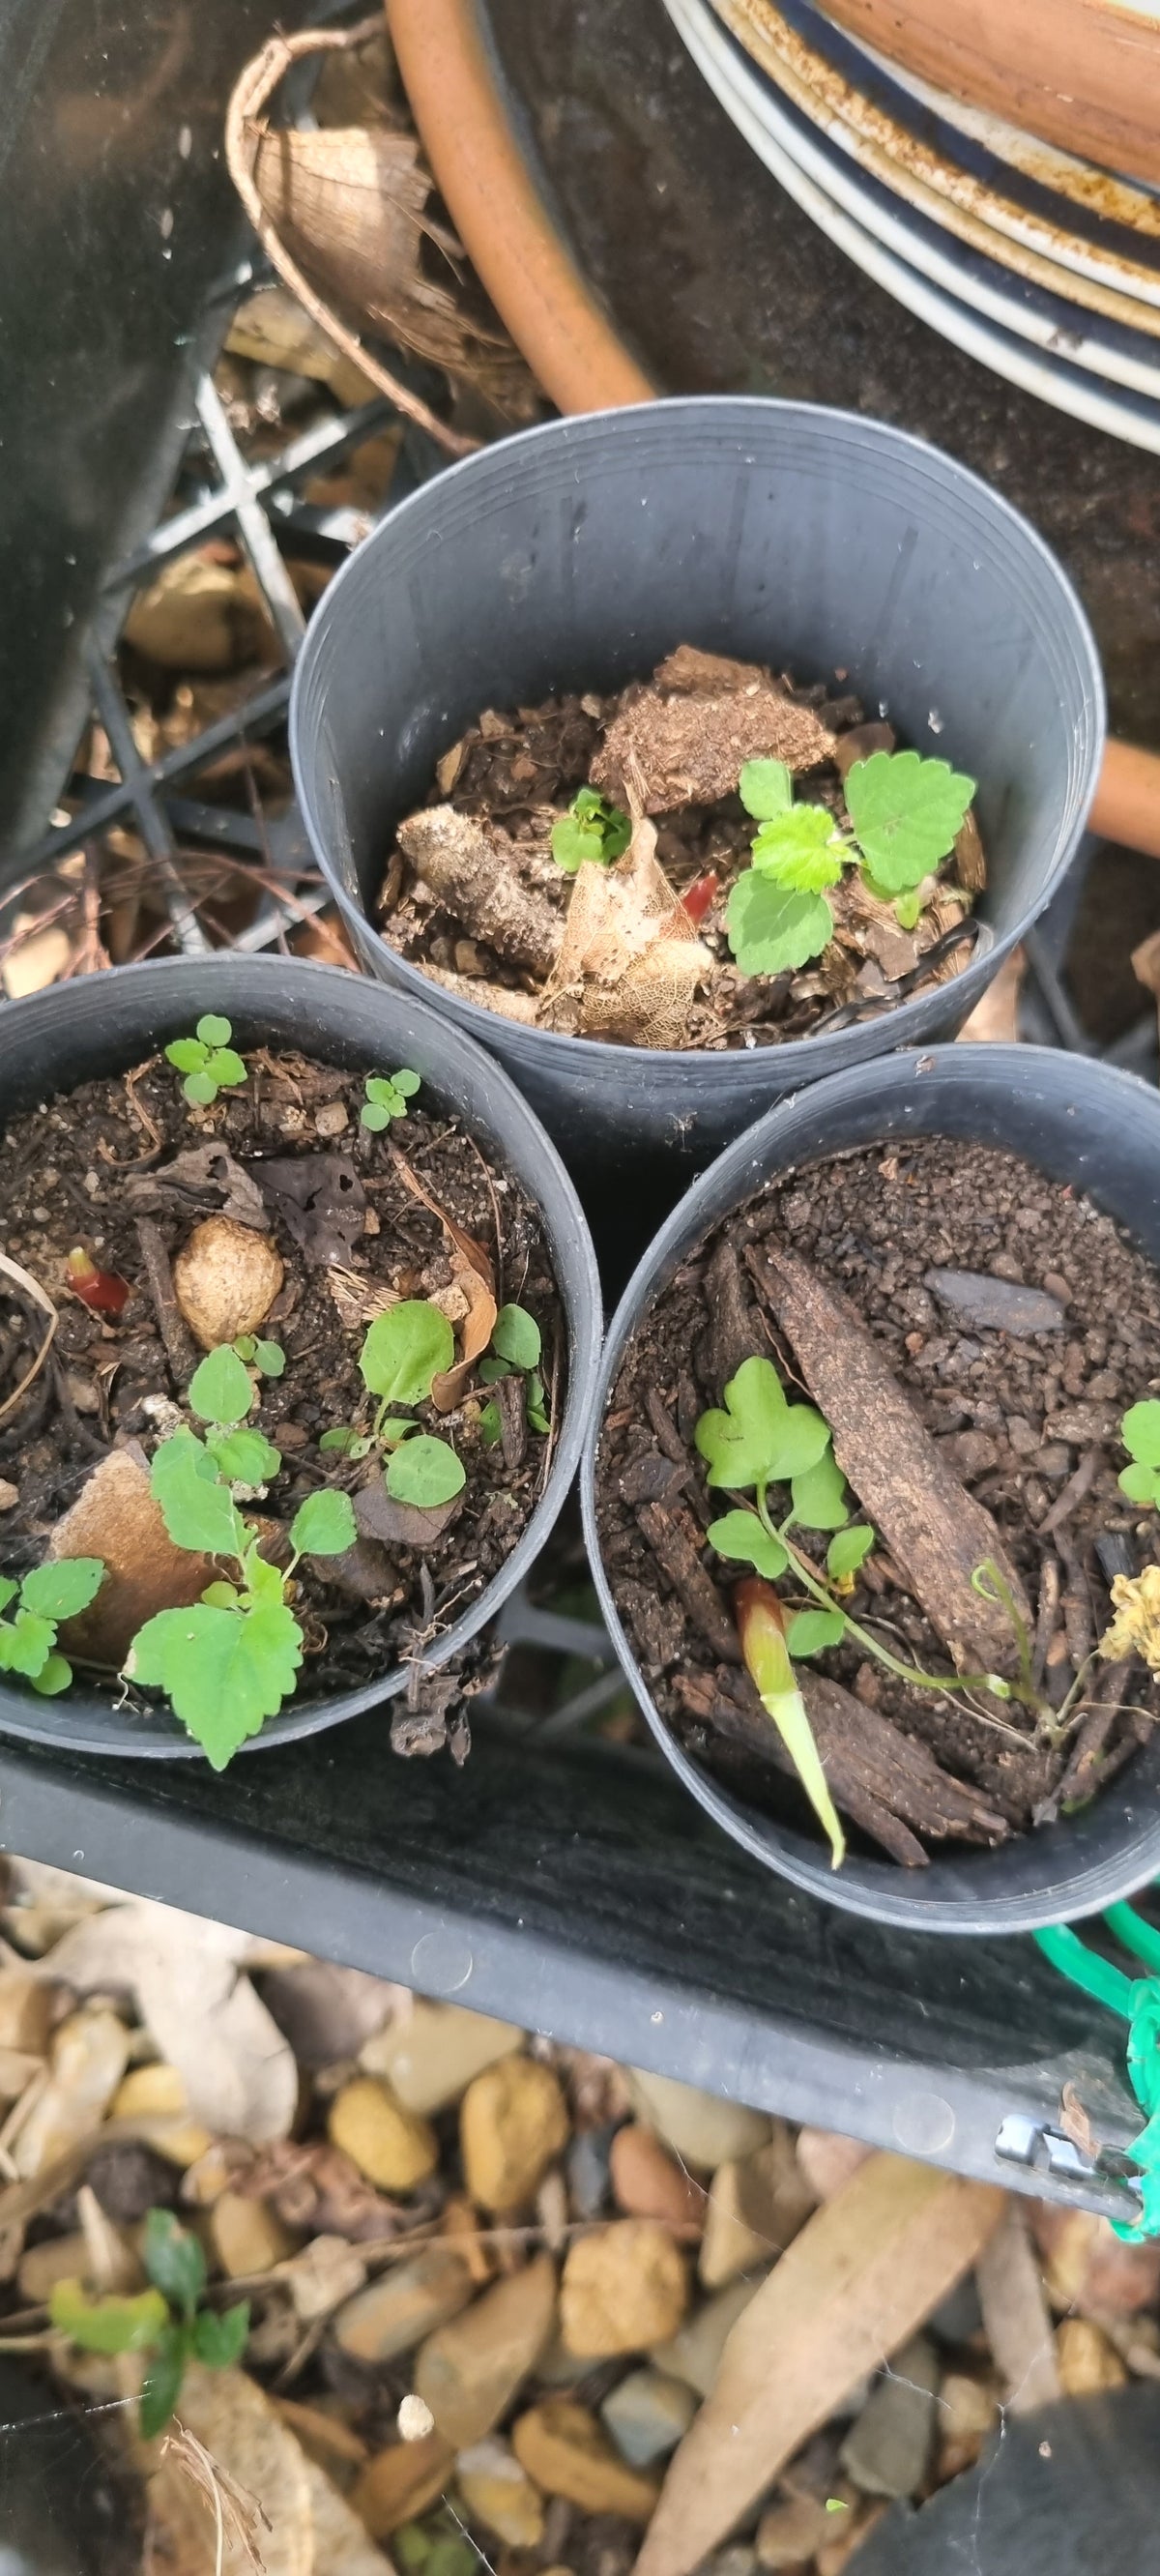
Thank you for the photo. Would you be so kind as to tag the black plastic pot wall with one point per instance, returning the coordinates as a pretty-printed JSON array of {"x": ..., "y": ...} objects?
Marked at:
[
  {"x": 575, "y": 556},
  {"x": 107, "y": 1023},
  {"x": 1083, "y": 1123}
]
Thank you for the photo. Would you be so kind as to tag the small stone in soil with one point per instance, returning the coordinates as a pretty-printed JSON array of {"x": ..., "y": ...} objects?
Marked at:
[
  {"x": 469, "y": 2371},
  {"x": 756, "y": 2206},
  {"x": 624, "y": 2287},
  {"x": 888, "y": 2449},
  {"x": 500, "y": 2494},
  {"x": 587, "y": 2170},
  {"x": 648, "y": 2415},
  {"x": 565, "y": 2451},
  {"x": 388, "y": 2144},
  {"x": 513, "y": 2123},
  {"x": 994, "y": 1304},
  {"x": 404, "y": 2305},
  {"x": 701, "y": 2129},
  {"x": 9, "y": 1495},
  {"x": 694, "y": 2354},
  {"x": 432, "y": 2055},
  {"x": 647, "y": 2182}
]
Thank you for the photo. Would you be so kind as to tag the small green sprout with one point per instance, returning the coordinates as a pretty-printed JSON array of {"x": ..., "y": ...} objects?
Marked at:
[
  {"x": 590, "y": 830},
  {"x": 46, "y": 1596},
  {"x": 268, "y": 1358},
  {"x": 207, "y": 1060},
  {"x": 516, "y": 1349},
  {"x": 387, "y": 1097},
  {"x": 405, "y": 1350},
  {"x": 228, "y": 1661},
  {"x": 165, "y": 2322},
  {"x": 1140, "y": 1434},
  {"x": 905, "y": 812}
]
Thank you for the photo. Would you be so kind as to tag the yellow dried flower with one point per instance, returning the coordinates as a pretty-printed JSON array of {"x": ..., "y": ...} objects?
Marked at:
[{"x": 1135, "y": 1630}]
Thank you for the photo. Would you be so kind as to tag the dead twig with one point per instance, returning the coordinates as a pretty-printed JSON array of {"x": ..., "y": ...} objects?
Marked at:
[
  {"x": 15, "y": 1271},
  {"x": 179, "y": 1348}
]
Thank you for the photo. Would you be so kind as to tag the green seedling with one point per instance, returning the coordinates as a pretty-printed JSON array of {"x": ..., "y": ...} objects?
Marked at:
[
  {"x": 766, "y": 1648},
  {"x": 207, "y": 1060},
  {"x": 228, "y": 1662},
  {"x": 1140, "y": 1434},
  {"x": 268, "y": 1358},
  {"x": 905, "y": 812},
  {"x": 590, "y": 830},
  {"x": 404, "y": 1351},
  {"x": 165, "y": 2322},
  {"x": 387, "y": 1097},
  {"x": 46, "y": 1596},
  {"x": 515, "y": 1349}
]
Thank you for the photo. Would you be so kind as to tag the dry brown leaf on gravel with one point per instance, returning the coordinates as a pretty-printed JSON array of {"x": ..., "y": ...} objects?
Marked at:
[
  {"x": 864, "y": 2274},
  {"x": 630, "y": 960},
  {"x": 261, "y": 2465},
  {"x": 1016, "y": 2315}
]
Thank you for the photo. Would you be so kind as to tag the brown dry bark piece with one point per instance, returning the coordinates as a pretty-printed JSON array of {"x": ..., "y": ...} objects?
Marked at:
[
  {"x": 698, "y": 674},
  {"x": 733, "y": 1333},
  {"x": 675, "y": 1540},
  {"x": 488, "y": 882},
  {"x": 970, "y": 856},
  {"x": 936, "y": 1531},
  {"x": 860, "y": 742},
  {"x": 691, "y": 750},
  {"x": 510, "y": 1004}
]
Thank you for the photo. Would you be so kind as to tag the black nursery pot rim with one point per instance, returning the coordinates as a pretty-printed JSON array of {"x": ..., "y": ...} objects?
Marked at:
[
  {"x": 587, "y": 1057},
  {"x": 1056, "y": 1873},
  {"x": 163, "y": 999}
]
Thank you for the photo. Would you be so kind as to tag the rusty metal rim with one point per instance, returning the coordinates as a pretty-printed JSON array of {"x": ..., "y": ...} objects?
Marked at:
[{"x": 951, "y": 198}]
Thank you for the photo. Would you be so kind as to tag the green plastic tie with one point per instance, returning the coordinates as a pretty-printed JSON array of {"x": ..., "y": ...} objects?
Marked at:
[{"x": 1137, "y": 2000}]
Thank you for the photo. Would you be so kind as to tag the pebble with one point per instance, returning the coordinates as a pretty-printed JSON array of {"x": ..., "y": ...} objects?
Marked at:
[
  {"x": 967, "y": 2411},
  {"x": 756, "y": 2206},
  {"x": 970, "y": 1453},
  {"x": 648, "y": 2183},
  {"x": 624, "y": 2287},
  {"x": 332, "y": 1118},
  {"x": 791, "y": 2532},
  {"x": 587, "y": 2167},
  {"x": 1022, "y": 1435},
  {"x": 694, "y": 2354},
  {"x": 700, "y": 2128},
  {"x": 469, "y": 2371},
  {"x": 401, "y": 2482},
  {"x": 1086, "y": 2265},
  {"x": 60, "y": 2258},
  {"x": 564, "y": 2451},
  {"x": 827, "y": 2161},
  {"x": 88, "y": 2062},
  {"x": 739, "y": 2559},
  {"x": 500, "y": 2493},
  {"x": 415, "y": 2420},
  {"x": 647, "y": 2415},
  {"x": 513, "y": 2123},
  {"x": 431, "y": 2057},
  {"x": 1080, "y": 1424},
  {"x": 994, "y": 1304},
  {"x": 404, "y": 2305},
  {"x": 247, "y": 2236},
  {"x": 9, "y": 1495},
  {"x": 1057, "y": 1286},
  {"x": 1087, "y": 2360},
  {"x": 393, "y": 2148},
  {"x": 959, "y": 2315},
  {"x": 887, "y": 2451}
]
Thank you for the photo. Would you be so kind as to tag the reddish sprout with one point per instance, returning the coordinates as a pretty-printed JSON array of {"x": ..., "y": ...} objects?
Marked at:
[
  {"x": 100, "y": 1289},
  {"x": 698, "y": 897}
]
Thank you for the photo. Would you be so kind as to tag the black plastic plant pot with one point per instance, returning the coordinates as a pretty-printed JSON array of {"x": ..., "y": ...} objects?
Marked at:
[
  {"x": 106, "y": 1024},
  {"x": 575, "y": 556},
  {"x": 1081, "y": 1123}
]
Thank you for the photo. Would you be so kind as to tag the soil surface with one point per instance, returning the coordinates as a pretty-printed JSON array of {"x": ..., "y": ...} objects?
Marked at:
[
  {"x": 94, "y": 1168},
  {"x": 1026, "y": 1421},
  {"x": 515, "y": 773}
]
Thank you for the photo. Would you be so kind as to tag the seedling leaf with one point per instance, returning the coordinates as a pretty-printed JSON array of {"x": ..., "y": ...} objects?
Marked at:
[
  {"x": 324, "y": 1525},
  {"x": 200, "y": 1088},
  {"x": 425, "y": 1472},
  {"x": 590, "y": 830},
  {"x": 187, "y": 1055},
  {"x": 759, "y": 1439},
  {"x": 107, "y": 2325},
  {"x": 198, "y": 1511},
  {"x": 161, "y": 2385},
  {"x": 244, "y": 1457},
  {"x": 61, "y": 1590},
  {"x": 219, "y": 2341},
  {"x": 820, "y": 1499},
  {"x": 270, "y": 1358},
  {"x": 772, "y": 930},
  {"x": 906, "y": 812},
  {"x": 800, "y": 850},
  {"x": 848, "y": 1551},
  {"x": 765, "y": 788},
  {"x": 222, "y": 1672},
  {"x": 740, "y": 1537},
  {"x": 26, "y": 1643},
  {"x": 517, "y": 1337},
  {"x": 213, "y": 1031},
  {"x": 174, "y": 2260},
  {"x": 404, "y": 1349},
  {"x": 1141, "y": 1484},
  {"x": 490, "y": 1426},
  {"x": 809, "y": 1632},
  {"x": 1139, "y": 1430},
  {"x": 220, "y": 1388},
  {"x": 54, "y": 1676}
]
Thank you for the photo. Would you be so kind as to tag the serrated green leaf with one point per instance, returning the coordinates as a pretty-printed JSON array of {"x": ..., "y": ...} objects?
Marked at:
[
  {"x": 107, "y": 2325},
  {"x": 773, "y": 931},
  {"x": 819, "y": 1496},
  {"x": 740, "y": 1537},
  {"x": 1139, "y": 1431},
  {"x": 173, "y": 2259},
  {"x": 906, "y": 812},
  {"x": 590, "y": 830},
  {"x": 809, "y": 1632},
  {"x": 213, "y": 1030},
  {"x": 187, "y": 1055},
  {"x": 324, "y": 1525},
  {"x": 8, "y": 1590},
  {"x": 801, "y": 850},
  {"x": 264, "y": 1582},
  {"x": 270, "y": 1359},
  {"x": 26, "y": 1643},
  {"x": 63, "y": 1588},
  {"x": 765, "y": 788},
  {"x": 54, "y": 1676},
  {"x": 759, "y": 1438},
  {"x": 220, "y": 1388},
  {"x": 490, "y": 1425},
  {"x": 1141, "y": 1484},
  {"x": 404, "y": 1349},
  {"x": 223, "y": 1673},
  {"x": 225, "y": 1068},
  {"x": 424, "y": 1472},
  {"x": 161, "y": 2385},
  {"x": 517, "y": 1337},
  {"x": 220, "y": 2341},
  {"x": 200, "y": 1088},
  {"x": 406, "y": 1081},
  {"x": 849, "y": 1550},
  {"x": 244, "y": 1456},
  {"x": 197, "y": 1509}
]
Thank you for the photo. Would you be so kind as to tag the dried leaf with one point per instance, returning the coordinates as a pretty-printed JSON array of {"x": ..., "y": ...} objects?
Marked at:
[
  {"x": 317, "y": 2188},
  {"x": 863, "y": 2275},
  {"x": 1016, "y": 2315},
  {"x": 326, "y": 2272},
  {"x": 260, "y": 2469},
  {"x": 320, "y": 1200},
  {"x": 473, "y": 1252},
  {"x": 447, "y": 1389},
  {"x": 394, "y": 1524},
  {"x": 212, "y": 1178},
  {"x": 630, "y": 960},
  {"x": 328, "y": 2012},
  {"x": 23, "y": 1279}
]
